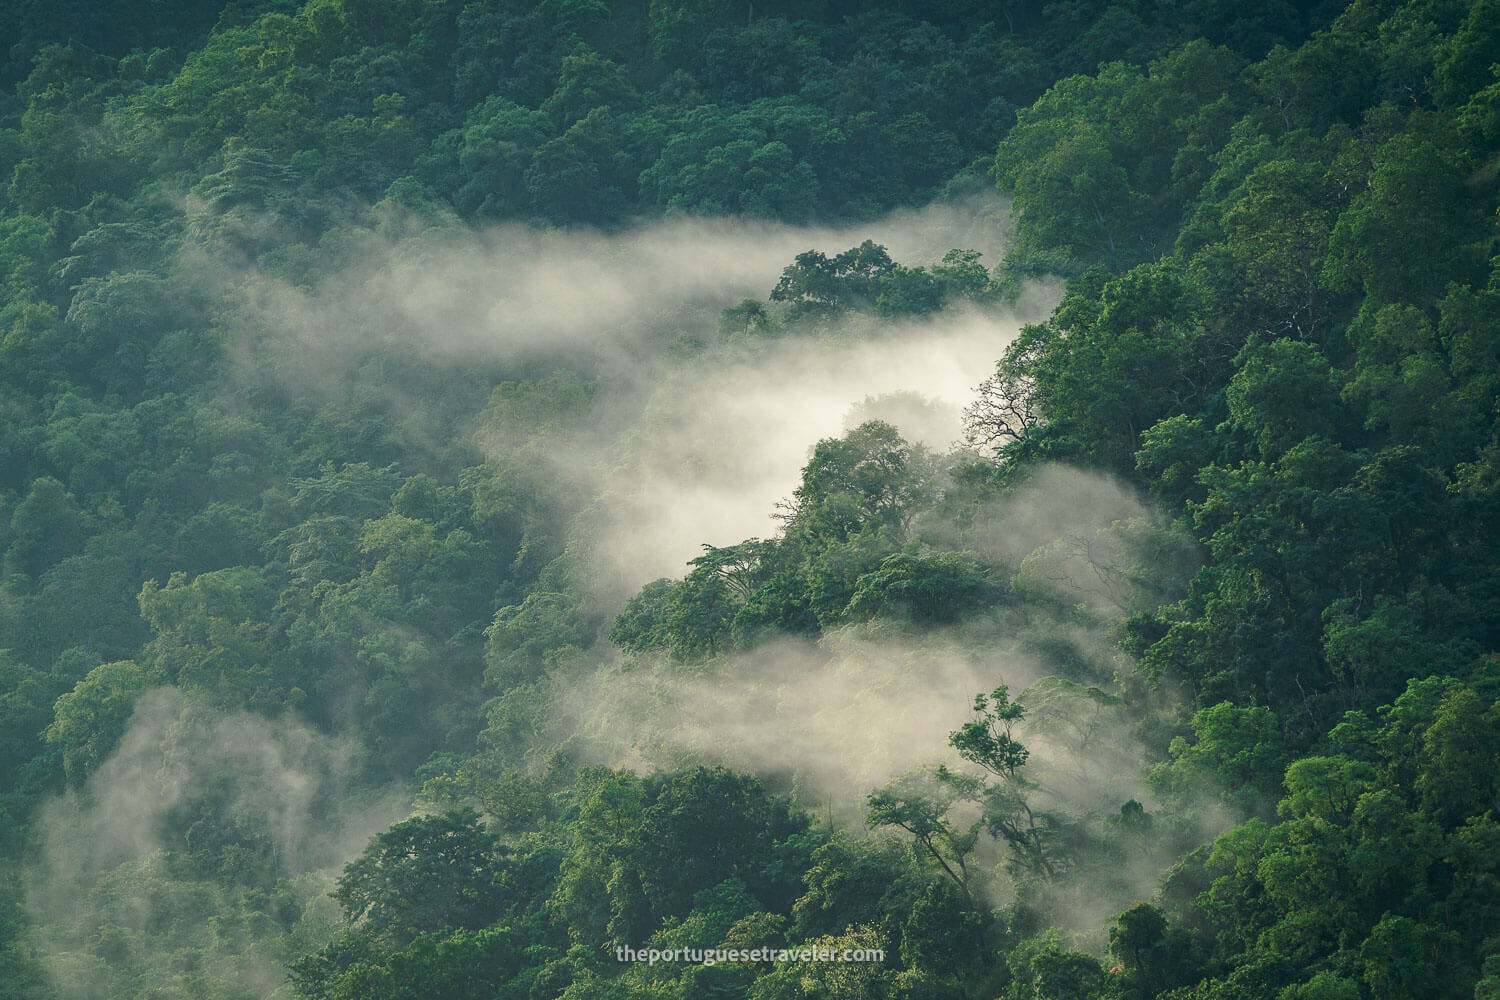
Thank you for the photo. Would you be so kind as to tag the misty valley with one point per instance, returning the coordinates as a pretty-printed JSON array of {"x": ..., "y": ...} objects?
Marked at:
[{"x": 610, "y": 499}]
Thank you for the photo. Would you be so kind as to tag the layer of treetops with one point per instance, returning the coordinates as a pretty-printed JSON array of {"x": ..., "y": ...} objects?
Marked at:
[{"x": 1279, "y": 342}]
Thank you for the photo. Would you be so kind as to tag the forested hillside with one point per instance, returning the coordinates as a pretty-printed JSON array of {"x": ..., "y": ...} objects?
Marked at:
[{"x": 1010, "y": 487}]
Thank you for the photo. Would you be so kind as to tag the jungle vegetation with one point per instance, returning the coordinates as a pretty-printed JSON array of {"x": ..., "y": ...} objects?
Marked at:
[{"x": 1280, "y": 338}]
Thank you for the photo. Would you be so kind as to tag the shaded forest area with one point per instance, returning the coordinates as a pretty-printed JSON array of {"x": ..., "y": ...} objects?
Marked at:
[{"x": 1221, "y": 548}]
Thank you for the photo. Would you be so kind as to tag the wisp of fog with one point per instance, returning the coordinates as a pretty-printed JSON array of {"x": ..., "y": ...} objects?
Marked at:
[{"x": 688, "y": 439}]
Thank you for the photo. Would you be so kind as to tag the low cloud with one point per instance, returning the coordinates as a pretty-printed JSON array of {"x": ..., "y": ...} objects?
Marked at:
[
  {"x": 688, "y": 440},
  {"x": 110, "y": 902},
  {"x": 865, "y": 703},
  {"x": 723, "y": 439},
  {"x": 517, "y": 293}
]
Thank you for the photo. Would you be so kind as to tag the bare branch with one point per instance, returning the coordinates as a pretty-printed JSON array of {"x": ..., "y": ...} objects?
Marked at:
[{"x": 1004, "y": 410}]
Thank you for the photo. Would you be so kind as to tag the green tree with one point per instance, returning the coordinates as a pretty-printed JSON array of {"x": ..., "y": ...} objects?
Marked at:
[
  {"x": 90, "y": 719},
  {"x": 867, "y": 480},
  {"x": 493, "y": 152},
  {"x": 1060, "y": 975},
  {"x": 46, "y": 526},
  {"x": 915, "y": 804},
  {"x": 816, "y": 286},
  {"x": 1282, "y": 393},
  {"x": 989, "y": 742},
  {"x": 929, "y": 589},
  {"x": 213, "y": 636},
  {"x": 1239, "y": 750},
  {"x": 424, "y": 874}
]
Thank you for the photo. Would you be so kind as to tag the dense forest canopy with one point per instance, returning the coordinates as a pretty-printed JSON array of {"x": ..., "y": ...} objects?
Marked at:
[{"x": 1010, "y": 487}]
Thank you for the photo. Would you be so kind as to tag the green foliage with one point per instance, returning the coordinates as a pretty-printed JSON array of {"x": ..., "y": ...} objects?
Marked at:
[
  {"x": 748, "y": 318},
  {"x": 1153, "y": 956},
  {"x": 90, "y": 719},
  {"x": 817, "y": 287},
  {"x": 1103, "y": 371},
  {"x": 915, "y": 805},
  {"x": 1060, "y": 975},
  {"x": 1281, "y": 395},
  {"x": 937, "y": 588},
  {"x": 212, "y": 636},
  {"x": 988, "y": 740},
  {"x": 1278, "y": 225},
  {"x": 1235, "y": 755},
  {"x": 27, "y": 710},
  {"x": 423, "y": 875},
  {"x": 836, "y": 560},
  {"x": 45, "y": 526},
  {"x": 543, "y": 631},
  {"x": 862, "y": 482},
  {"x": 1354, "y": 874},
  {"x": 1087, "y": 166}
]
